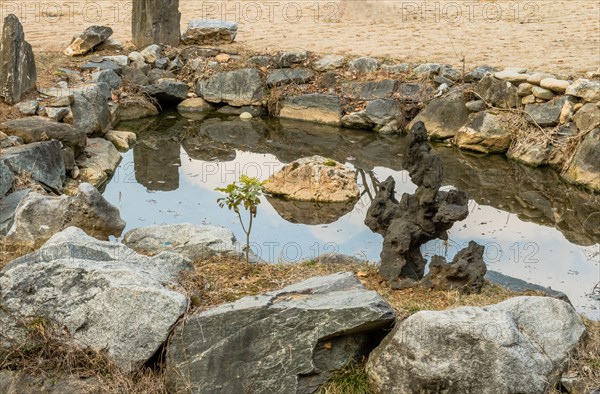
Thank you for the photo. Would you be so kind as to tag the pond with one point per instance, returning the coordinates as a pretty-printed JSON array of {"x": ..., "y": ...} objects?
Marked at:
[{"x": 535, "y": 226}]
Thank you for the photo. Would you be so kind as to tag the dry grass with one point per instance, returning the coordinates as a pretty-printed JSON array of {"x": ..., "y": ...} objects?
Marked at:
[{"x": 50, "y": 353}]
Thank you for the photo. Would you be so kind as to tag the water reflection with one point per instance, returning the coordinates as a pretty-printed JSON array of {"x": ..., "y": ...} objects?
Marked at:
[{"x": 534, "y": 226}]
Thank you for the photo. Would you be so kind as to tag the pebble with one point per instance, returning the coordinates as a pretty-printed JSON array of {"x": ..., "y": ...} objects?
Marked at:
[
  {"x": 512, "y": 76},
  {"x": 542, "y": 93},
  {"x": 528, "y": 99},
  {"x": 556, "y": 85},
  {"x": 536, "y": 78},
  {"x": 136, "y": 57},
  {"x": 524, "y": 89},
  {"x": 476, "y": 105},
  {"x": 222, "y": 58},
  {"x": 245, "y": 115}
]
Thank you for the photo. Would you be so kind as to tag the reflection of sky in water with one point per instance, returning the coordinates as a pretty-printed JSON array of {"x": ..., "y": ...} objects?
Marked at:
[{"x": 514, "y": 247}]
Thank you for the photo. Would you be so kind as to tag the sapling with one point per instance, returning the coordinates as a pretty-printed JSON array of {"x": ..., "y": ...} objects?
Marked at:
[{"x": 246, "y": 192}]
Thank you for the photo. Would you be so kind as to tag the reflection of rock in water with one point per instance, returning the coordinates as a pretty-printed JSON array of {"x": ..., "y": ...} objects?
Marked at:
[
  {"x": 157, "y": 162},
  {"x": 217, "y": 138},
  {"x": 536, "y": 195},
  {"x": 308, "y": 212}
]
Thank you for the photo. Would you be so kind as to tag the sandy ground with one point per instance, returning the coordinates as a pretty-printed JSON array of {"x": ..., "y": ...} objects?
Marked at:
[{"x": 561, "y": 36}]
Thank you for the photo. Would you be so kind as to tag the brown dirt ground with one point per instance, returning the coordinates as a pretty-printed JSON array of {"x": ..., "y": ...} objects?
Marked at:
[{"x": 560, "y": 36}]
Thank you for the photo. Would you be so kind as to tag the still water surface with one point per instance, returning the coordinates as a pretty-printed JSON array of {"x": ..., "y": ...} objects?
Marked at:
[{"x": 535, "y": 226}]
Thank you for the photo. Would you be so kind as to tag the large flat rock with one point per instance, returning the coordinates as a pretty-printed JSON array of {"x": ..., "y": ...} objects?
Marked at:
[
  {"x": 285, "y": 341},
  {"x": 37, "y": 128}
]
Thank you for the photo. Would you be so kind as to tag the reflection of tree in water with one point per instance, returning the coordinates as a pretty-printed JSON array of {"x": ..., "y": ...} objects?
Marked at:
[{"x": 369, "y": 190}]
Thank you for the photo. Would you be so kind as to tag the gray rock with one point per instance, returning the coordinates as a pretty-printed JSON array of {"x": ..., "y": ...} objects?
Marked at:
[
  {"x": 133, "y": 76},
  {"x": 299, "y": 335},
  {"x": 364, "y": 65},
  {"x": 36, "y": 129},
  {"x": 586, "y": 89},
  {"x": 11, "y": 140},
  {"x": 90, "y": 109},
  {"x": 396, "y": 68},
  {"x": 537, "y": 77},
  {"x": 17, "y": 64},
  {"x": 520, "y": 286},
  {"x": 443, "y": 83},
  {"x": 142, "y": 66},
  {"x": 532, "y": 151},
  {"x": 38, "y": 217},
  {"x": 450, "y": 73},
  {"x": 545, "y": 114},
  {"x": 161, "y": 63},
  {"x": 151, "y": 53},
  {"x": 514, "y": 76},
  {"x": 329, "y": 62},
  {"x": 209, "y": 32},
  {"x": 42, "y": 161},
  {"x": 194, "y": 242},
  {"x": 476, "y": 105},
  {"x": 6, "y": 179},
  {"x": 585, "y": 166},
  {"x": 370, "y": 90},
  {"x": 119, "y": 60},
  {"x": 196, "y": 105},
  {"x": 136, "y": 107},
  {"x": 479, "y": 349},
  {"x": 428, "y": 69},
  {"x": 443, "y": 116},
  {"x": 107, "y": 76},
  {"x": 464, "y": 273},
  {"x": 8, "y": 206},
  {"x": 167, "y": 90},
  {"x": 283, "y": 76},
  {"x": 254, "y": 111},
  {"x": 382, "y": 111},
  {"x": 99, "y": 161},
  {"x": 357, "y": 120},
  {"x": 587, "y": 117},
  {"x": 155, "y": 22},
  {"x": 62, "y": 101},
  {"x": 542, "y": 93},
  {"x": 498, "y": 93},
  {"x": 314, "y": 107},
  {"x": 57, "y": 114},
  {"x": 414, "y": 92},
  {"x": 156, "y": 73},
  {"x": 484, "y": 132},
  {"x": 88, "y": 39},
  {"x": 27, "y": 107},
  {"x": 478, "y": 73},
  {"x": 556, "y": 85},
  {"x": 107, "y": 296},
  {"x": 525, "y": 89},
  {"x": 136, "y": 57},
  {"x": 102, "y": 65},
  {"x": 260, "y": 61},
  {"x": 237, "y": 88},
  {"x": 287, "y": 59}
]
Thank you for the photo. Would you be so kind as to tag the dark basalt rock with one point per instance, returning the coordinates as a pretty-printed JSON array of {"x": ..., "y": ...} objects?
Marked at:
[
  {"x": 465, "y": 272},
  {"x": 17, "y": 64},
  {"x": 417, "y": 218}
]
